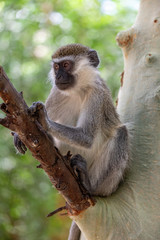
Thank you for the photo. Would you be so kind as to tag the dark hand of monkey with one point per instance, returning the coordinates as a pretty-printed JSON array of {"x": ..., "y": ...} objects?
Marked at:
[
  {"x": 19, "y": 145},
  {"x": 79, "y": 165},
  {"x": 38, "y": 111}
]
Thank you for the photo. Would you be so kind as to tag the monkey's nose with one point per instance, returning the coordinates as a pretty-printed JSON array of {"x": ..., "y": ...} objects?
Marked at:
[{"x": 59, "y": 76}]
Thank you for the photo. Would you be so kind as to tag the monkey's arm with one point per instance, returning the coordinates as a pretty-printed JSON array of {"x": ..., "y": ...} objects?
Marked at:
[{"x": 81, "y": 135}]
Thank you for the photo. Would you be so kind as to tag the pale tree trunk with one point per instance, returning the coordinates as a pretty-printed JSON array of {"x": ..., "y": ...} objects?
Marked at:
[{"x": 133, "y": 212}]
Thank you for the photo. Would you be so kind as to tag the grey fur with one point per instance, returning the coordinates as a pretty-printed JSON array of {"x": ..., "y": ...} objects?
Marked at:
[{"x": 84, "y": 120}]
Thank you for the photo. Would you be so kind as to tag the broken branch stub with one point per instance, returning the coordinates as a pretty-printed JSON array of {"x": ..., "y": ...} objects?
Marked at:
[{"x": 40, "y": 143}]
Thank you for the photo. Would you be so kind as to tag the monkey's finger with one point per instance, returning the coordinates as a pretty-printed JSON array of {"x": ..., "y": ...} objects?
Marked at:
[
  {"x": 23, "y": 146},
  {"x": 40, "y": 105},
  {"x": 79, "y": 162},
  {"x": 19, "y": 144},
  {"x": 19, "y": 148}
]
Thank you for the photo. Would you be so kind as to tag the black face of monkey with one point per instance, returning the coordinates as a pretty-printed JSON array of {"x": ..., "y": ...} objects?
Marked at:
[{"x": 63, "y": 72}]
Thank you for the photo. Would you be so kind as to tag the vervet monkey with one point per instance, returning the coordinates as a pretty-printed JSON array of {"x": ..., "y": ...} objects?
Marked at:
[{"x": 81, "y": 117}]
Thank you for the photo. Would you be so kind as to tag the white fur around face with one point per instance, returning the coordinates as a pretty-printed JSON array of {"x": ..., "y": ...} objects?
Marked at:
[
  {"x": 84, "y": 73},
  {"x": 51, "y": 76}
]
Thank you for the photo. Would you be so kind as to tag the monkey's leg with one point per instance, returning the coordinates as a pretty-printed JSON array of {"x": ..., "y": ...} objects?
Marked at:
[
  {"x": 74, "y": 233},
  {"x": 117, "y": 159},
  {"x": 79, "y": 165}
]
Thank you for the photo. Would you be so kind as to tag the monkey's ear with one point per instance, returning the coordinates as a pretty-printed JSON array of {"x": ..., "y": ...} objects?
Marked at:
[{"x": 93, "y": 58}]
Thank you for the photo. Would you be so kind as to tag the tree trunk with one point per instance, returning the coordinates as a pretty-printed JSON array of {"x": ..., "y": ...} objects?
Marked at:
[{"x": 133, "y": 212}]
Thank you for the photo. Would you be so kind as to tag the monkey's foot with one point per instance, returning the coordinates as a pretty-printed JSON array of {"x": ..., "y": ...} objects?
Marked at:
[
  {"x": 19, "y": 145},
  {"x": 79, "y": 165}
]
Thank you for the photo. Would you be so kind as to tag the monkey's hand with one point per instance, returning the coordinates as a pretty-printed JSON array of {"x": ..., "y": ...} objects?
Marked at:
[
  {"x": 79, "y": 165},
  {"x": 38, "y": 111},
  {"x": 19, "y": 145}
]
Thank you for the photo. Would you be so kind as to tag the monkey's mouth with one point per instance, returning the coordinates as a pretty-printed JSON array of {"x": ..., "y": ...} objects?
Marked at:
[{"x": 63, "y": 85}]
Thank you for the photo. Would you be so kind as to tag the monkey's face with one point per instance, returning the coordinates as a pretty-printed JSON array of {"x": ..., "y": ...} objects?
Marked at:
[{"x": 63, "y": 74}]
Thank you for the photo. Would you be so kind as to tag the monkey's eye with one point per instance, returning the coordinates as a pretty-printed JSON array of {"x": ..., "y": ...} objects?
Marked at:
[
  {"x": 67, "y": 65},
  {"x": 56, "y": 66}
]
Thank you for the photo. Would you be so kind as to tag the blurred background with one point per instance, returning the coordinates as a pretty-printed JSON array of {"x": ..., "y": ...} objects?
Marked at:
[{"x": 29, "y": 32}]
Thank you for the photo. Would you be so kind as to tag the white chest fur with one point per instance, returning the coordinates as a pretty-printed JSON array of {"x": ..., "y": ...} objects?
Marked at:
[{"x": 71, "y": 112}]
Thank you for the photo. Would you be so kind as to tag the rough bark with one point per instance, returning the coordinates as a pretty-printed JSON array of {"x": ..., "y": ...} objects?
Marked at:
[
  {"x": 19, "y": 120},
  {"x": 133, "y": 212}
]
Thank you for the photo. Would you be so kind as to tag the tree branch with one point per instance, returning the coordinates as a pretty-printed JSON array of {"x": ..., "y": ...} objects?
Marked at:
[{"x": 37, "y": 140}]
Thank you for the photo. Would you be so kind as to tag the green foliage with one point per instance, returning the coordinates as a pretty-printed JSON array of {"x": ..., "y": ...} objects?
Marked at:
[{"x": 29, "y": 32}]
